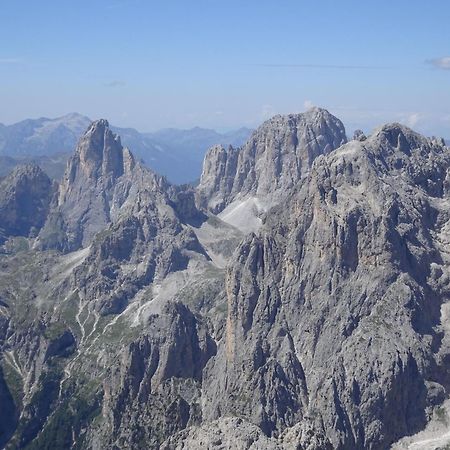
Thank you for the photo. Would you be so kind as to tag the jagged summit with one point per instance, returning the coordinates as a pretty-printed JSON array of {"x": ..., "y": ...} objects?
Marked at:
[
  {"x": 98, "y": 124},
  {"x": 274, "y": 160},
  {"x": 339, "y": 288},
  {"x": 100, "y": 177},
  {"x": 315, "y": 113},
  {"x": 404, "y": 138},
  {"x": 99, "y": 160},
  {"x": 99, "y": 152},
  {"x": 24, "y": 200},
  {"x": 24, "y": 170}
]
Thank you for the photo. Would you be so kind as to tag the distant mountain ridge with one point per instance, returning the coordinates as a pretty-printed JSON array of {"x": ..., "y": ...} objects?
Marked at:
[
  {"x": 174, "y": 153},
  {"x": 52, "y": 165}
]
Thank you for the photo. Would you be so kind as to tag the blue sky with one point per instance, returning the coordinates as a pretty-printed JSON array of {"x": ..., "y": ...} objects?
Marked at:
[{"x": 225, "y": 64}]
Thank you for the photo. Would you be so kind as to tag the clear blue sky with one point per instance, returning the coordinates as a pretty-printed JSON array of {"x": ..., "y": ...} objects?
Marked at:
[{"x": 224, "y": 64}]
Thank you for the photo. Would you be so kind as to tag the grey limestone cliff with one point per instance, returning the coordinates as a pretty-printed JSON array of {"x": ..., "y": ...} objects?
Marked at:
[
  {"x": 276, "y": 156},
  {"x": 140, "y": 319},
  {"x": 100, "y": 178},
  {"x": 25, "y": 196},
  {"x": 335, "y": 306}
]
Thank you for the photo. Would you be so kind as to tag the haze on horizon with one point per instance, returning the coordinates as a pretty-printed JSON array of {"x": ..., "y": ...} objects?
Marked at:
[{"x": 223, "y": 65}]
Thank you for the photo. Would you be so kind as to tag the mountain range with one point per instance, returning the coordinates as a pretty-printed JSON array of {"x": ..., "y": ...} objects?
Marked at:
[
  {"x": 174, "y": 153},
  {"x": 297, "y": 298}
]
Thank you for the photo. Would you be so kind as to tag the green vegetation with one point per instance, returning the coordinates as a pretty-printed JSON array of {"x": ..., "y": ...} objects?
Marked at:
[
  {"x": 14, "y": 382},
  {"x": 120, "y": 331},
  {"x": 24, "y": 286},
  {"x": 65, "y": 423},
  {"x": 68, "y": 311},
  {"x": 40, "y": 405},
  {"x": 222, "y": 307},
  {"x": 55, "y": 330}
]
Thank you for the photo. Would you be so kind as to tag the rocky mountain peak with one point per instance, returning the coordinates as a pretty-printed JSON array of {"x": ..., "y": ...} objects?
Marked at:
[
  {"x": 399, "y": 136},
  {"x": 276, "y": 157},
  {"x": 399, "y": 146},
  {"x": 97, "y": 181},
  {"x": 307, "y": 134},
  {"x": 24, "y": 200},
  {"x": 318, "y": 114},
  {"x": 99, "y": 160},
  {"x": 100, "y": 151},
  {"x": 26, "y": 171}
]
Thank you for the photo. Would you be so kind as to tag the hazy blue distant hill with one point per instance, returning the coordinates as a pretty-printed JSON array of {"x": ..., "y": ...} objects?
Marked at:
[
  {"x": 42, "y": 136},
  {"x": 237, "y": 137},
  {"x": 177, "y": 154},
  {"x": 184, "y": 150},
  {"x": 194, "y": 138}
]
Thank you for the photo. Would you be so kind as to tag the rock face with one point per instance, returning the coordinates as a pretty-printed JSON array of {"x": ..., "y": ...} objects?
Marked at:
[
  {"x": 127, "y": 216},
  {"x": 334, "y": 307},
  {"x": 121, "y": 231},
  {"x": 225, "y": 434},
  {"x": 8, "y": 422},
  {"x": 154, "y": 324},
  {"x": 149, "y": 238},
  {"x": 25, "y": 196},
  {"x": 100, "y": 178},
  {"x": 156, "y": 387},
  {"x": 233, "y": 433},
  {"x": 271, "y": 163}
]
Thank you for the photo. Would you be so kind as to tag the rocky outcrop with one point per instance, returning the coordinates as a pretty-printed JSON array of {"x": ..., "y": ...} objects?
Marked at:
[
  {"x": 32, "y": 360},
  {"x": 218, "y": 175},
  {"x": 328, "y": 328},
  {"x": 333, "y": 306},
  {"x": 133, "y": 221},
  {"x": 224, "y": 434},
  {"x": 275, "y": 158},
  {"x": 235, "y": 433},
  {"x": 25, "y": 197},
  {"x": 8, "y": 414},
  {"x": 359, "y": 135},
  {"x": 155, "y": 389},
  {"x": 100, "y": 179},
  {"x": 150, "y": 239}
]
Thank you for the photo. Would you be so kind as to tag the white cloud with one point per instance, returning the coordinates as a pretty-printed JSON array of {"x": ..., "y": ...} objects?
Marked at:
[
  {"x": 308, "y": 104},
  {"x": 440, "y": 63}
]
